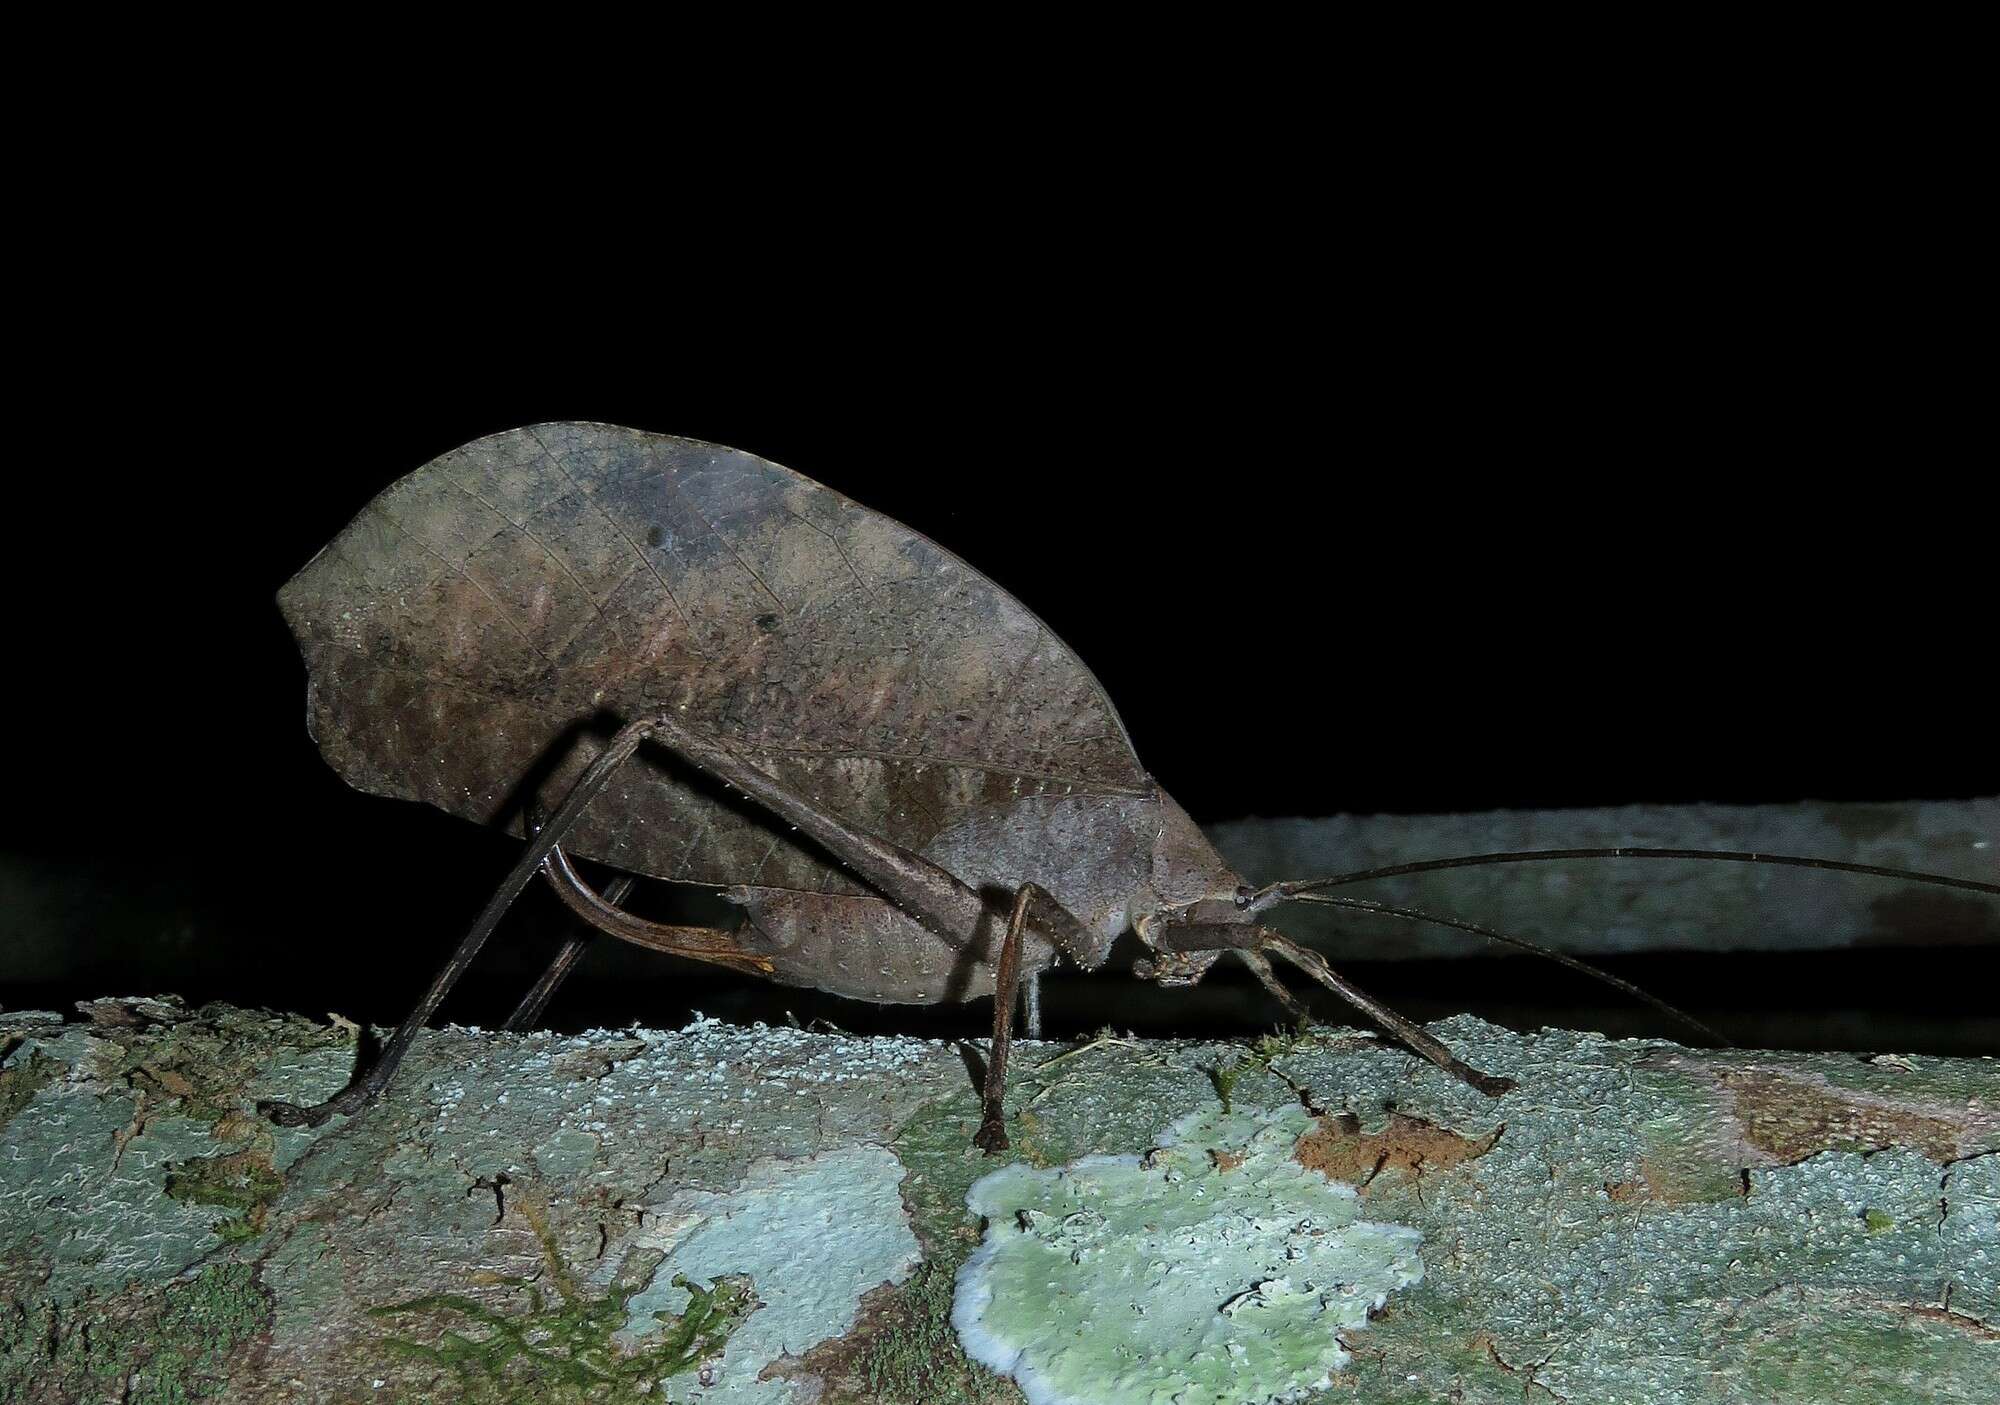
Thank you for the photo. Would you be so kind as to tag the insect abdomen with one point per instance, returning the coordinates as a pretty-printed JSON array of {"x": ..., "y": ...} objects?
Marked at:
[{"x": 867, "y": 948}]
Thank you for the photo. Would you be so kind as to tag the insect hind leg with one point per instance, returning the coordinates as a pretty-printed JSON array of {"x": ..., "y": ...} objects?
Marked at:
[
  {"x": 365, "y": 1089},
  {"x": 529, "y": 1011}
]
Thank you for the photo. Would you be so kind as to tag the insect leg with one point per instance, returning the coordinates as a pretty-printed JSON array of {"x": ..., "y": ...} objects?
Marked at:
[
  {"x": 927, "y": 892},
  {"x": 1259, "y": 940},
  {"x": 1314, "y": 965},
  {"x": 367, "y": 1088},
  {"x": 1411, "y": 914},
  {"x": 529, "y": 1011},
  {"x": 536, "y": 1000},
  {"x": 992, "y": 1134},
  {"x": 1031, "y": 1005},
  {"x": 1260, "y": 967},
  {"x": 696, "y": 943}
]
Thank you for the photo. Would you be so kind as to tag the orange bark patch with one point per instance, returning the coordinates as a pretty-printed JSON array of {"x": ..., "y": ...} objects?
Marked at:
[
  {"x": 1792, "y": 1119},
  {"x": 1339, "y": 1150},
  {"x": 1669, "y": 1184}
]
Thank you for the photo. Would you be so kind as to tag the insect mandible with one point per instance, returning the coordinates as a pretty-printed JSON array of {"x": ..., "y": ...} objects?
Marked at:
[{"x": 732, "y": 676}]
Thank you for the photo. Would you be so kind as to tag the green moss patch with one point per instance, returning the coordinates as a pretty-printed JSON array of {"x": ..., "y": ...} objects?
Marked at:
[
  {"x": 20, "y": 1082},
  {"x": 902, "y": 1351},
  {"x": 146, "y": 1346},
  {"x": 243, "y": 1182},
  {"x": 561, "y": 1350}
]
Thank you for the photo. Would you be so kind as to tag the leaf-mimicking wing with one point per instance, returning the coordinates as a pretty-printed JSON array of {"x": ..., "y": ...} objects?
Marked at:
[{"x": 543, "y": 584}]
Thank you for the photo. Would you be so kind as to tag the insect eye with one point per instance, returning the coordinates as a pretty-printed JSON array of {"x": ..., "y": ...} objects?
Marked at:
[{"x": 1243, "y": 895}]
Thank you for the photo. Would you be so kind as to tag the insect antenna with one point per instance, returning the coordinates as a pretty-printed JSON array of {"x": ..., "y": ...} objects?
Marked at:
[
  {"x": 1411, "y": 914},
  {"x": 1261, "y": 898}
]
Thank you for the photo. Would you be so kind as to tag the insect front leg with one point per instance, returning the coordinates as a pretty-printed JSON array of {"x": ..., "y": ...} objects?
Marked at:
[
  {"x": 991, "y": 1137},
  {"x": 1251, "y": 943},
  {"x": 1268, "y": 978}
]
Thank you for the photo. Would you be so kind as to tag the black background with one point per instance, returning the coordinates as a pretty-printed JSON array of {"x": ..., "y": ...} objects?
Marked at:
[{"x": 1429, "y": 523}]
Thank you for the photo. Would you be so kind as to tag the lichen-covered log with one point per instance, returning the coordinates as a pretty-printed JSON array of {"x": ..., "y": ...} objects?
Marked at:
[
  {"x": 770, "y": 1215},
  {"x": 1625, "y": 905}
]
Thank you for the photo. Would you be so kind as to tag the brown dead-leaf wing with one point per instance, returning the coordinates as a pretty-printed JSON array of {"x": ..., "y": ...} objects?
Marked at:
[{"x": 538, "y": 586}]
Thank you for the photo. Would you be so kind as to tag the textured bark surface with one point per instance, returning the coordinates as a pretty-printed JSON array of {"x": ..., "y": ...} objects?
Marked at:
[
  {"x": 758, "y": 1214},
  {"x": 1619, "y": 905}
]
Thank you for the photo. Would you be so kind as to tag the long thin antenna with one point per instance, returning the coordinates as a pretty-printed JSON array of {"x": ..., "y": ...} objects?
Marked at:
[
  {"x": 1280, "y": 892},
  {"x": 1411, "y": 914}
]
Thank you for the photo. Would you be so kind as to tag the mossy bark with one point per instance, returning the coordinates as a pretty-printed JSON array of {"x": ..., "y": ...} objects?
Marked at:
[{"x": 1635, "y": 1222}]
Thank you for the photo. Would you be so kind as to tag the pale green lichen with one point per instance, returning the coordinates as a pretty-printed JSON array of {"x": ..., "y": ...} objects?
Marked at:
[
  {"x": 122, "y": 1154},
  {"x": 1214, "y": 1268},
  {"x": 1617, "y": 1222},
  {"x": 814, "y": 1235},
  {"x": 82, "y": 1196}
]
